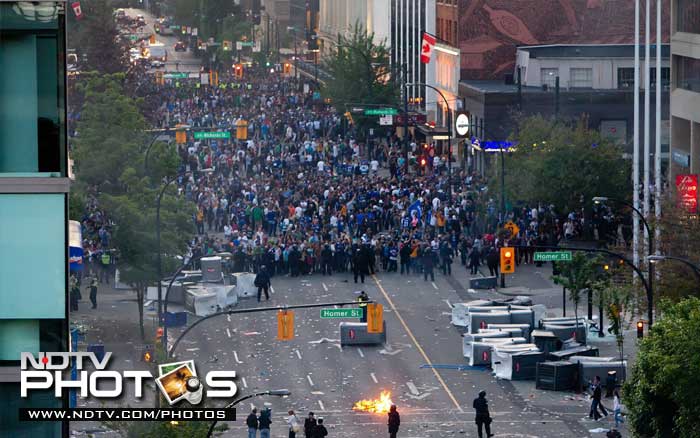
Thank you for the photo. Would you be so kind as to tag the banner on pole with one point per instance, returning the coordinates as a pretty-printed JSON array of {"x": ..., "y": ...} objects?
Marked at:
[{"x": 687, "y": 186}]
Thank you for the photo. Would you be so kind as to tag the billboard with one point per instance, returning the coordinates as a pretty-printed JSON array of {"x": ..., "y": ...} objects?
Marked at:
[
  {"x": 687, "y": 186},
  {"x": 490, "y": 30}
]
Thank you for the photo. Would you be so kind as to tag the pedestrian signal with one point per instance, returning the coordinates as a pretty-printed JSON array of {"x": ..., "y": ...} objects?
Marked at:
[
  {"x": 285, "y": 325},
  {"x": 180, "y": 137},
  {"x": 147, "y": 356},
  {"x": 152, "y": 39},
  {"x": 227, "y": 46},
  {"x": 640, "y": 329},
  {"x": 238, "y": 70},
  {"x": 375, "y": 318},
  {"x": 507, "y": 260},
  {"x": 348, "y": 115},
  {"x": 287, "y": 68}
]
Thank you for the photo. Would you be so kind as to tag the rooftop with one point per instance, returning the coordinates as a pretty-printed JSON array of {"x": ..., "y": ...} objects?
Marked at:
[{"x": 592, "y": 50}]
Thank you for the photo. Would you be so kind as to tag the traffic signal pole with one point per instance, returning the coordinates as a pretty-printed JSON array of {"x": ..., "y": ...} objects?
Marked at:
[{"x": 171, "y": 352}]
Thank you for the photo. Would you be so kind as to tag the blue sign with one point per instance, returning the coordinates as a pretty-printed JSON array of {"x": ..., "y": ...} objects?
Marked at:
[
  {"x": 75, "y": 255},
  {"x": 493, "y": 146}
]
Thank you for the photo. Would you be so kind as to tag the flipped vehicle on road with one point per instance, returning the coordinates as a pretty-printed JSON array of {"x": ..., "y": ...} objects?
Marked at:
[{"x": 180, "y": 46}]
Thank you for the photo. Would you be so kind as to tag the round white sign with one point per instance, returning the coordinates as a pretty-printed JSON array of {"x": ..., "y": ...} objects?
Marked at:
[{"x": 462, "y": 124}]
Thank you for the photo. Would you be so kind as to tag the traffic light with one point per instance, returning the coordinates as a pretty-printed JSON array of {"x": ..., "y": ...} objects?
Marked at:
[
  {"x": 227, "y": 46},
  {"x": 507, "y": 260},
  {"x": 375, "y": 318},
  {"x": 152, "y": 39},
  {"x": 285, "y": 325},
  {"x": 287, "y": 68},
  {"x": 640, "y": 329},
  {"x": 180, "y": 137},
  {"x": 159, "y": 334},
  {"x": 423, "y": 161},
  {"x": 238, "y": 70},
  {"x": 348, "y": 115},
  {"x": 147, "y": 356}
]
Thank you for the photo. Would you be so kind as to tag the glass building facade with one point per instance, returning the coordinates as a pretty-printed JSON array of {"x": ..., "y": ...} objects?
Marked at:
[{"x": 33, "y": 202}]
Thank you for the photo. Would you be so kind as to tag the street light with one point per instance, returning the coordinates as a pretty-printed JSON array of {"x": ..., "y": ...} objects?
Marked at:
[
  {"x": 659, "y": 258},
  {"x": 650, "y": 250},
  {"x": 276, "y": 392}
]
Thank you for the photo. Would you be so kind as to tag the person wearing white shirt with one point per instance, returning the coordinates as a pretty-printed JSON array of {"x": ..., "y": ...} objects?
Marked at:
[
  {"x": 321, "y": 166},
  {"x": 374, "y": 165}
]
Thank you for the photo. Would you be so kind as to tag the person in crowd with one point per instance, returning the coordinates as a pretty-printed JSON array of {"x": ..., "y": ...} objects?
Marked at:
[
  {"x": 93, "y": 291},
  {"x": 252, "y": 423},
  {"x": 595, "y": 400},
  {"x": 309, "y": 425},
  {"x": 394, "y": 421},
  {"x": 264, "y": 423},
  {"x": 262, "y": 282},
  {"x": 362, "y": 299},
  {"x": 293, "y": 423},
  {"x": 483, "y": 417}
]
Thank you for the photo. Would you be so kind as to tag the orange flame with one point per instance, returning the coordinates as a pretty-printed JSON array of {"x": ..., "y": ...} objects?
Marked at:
[{"x": 378, "y": 406}]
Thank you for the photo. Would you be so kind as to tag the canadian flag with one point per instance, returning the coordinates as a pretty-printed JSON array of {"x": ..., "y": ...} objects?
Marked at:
[
  {"x": 77, "y": 10},
  {"x": 426, "y": 48}
]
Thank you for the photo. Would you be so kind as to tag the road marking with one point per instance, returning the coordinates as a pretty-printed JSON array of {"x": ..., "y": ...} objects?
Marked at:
[
  {"x": 228, "y": 332},
  {"x": 245, "y": 384},
  {"x": 320, "y": 403},
  {"x": 359, "y": 350},
  {"x": 324, "y": 287},
  {"x": 228, "y": 317},
  {"x": 374, "y": 378},
  {"x": 235, "y": 356},
  {"x": 434, "y": 285},
  {"x": 448, "y": 303},
  {"x": 272, "y": 289},
  {"x": 412, "y": 388},
  {"x": 252, "y": 406},
  {"x": 311, "y": 382},
  {"x": 298, "y": 354},
  {"x": 415, "y": 342}
]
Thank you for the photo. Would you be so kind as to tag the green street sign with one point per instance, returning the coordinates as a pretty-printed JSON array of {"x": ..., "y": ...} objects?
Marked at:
[
  {"x": 341, "y": 313},
  {"x": 246, "y": 43},
  {"x": 133, "y": 37},
  {"x": 556, "y": 256},
  {"x": 381, "y": 112},
  {"x": 176, "y": 75},
  {"x": 203, "y": 135}
]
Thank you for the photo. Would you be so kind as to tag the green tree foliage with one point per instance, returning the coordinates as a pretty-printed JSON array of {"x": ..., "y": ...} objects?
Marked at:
[
  {"x": 109, "y": 156},
  {"x": 663, "y": 395},
  {"x": 361, "y": 71},
  {"x": 97, "y": 38},
  {"x": 563, "y": 165},
  {"x": 110, "y": 132},
  {"x": 679, "y": 236},
  {"x": 209, "y": 16},
  {"x": 577, "y": 276}
]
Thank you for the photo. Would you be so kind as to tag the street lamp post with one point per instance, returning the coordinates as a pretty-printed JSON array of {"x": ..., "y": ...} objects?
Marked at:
[
  {"x": 294, "y": 36},
  {"x": 650, "y": 251},
  {"x": 275, "y": 392},
  {"x": 449, "y": 130},
  {"x": 658, "y": 258}
]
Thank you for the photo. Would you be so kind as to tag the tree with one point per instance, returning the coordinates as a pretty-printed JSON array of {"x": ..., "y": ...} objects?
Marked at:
[
  {"x": 577, "y": 276},
  {"x": 663, "y": 395},
  {"x": 617, "y": 301},
  {"x": 679, "y": 233},
  {"x": 110, "y": 132},
  {"x": 96, "y": 39},
  {"x": 563, "y": 165},
  {"x": 361, "y": 71}
]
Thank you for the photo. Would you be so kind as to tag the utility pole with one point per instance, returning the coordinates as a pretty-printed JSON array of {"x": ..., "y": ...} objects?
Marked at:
[{"x": 405, "y": 118}]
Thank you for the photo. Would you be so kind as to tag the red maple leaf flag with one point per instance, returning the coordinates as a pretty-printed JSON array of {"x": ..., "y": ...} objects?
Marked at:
[
  {"x": 77, "y": 10},
  {"x": 426, "y": 48}
]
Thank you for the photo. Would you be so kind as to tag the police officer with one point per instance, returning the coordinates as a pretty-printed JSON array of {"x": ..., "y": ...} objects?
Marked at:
[{"x": 362, "y": 299}]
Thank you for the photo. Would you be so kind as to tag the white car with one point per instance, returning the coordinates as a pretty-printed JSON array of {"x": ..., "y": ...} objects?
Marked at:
[{"x": 157, "y": 63}]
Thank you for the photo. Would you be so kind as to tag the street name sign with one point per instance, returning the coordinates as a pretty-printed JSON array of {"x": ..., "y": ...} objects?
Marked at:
[
  {"x": 341, "y": 313},
  {"x": 555, "y": 256},
  {"x": 381, "y": 111},
  {"x": 203, "y": 135},
  {"x": 176, "y": 75}
]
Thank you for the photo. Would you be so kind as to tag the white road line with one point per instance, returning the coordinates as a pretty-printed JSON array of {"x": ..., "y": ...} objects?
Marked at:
[
  {"x": 320, "y": 403},
  {"x": 272, "y": 289},
  {"x": 448, "y": 303},
  {"x": 434, "y": 285},
  {"x": 298, "y": 354},
  {"x": 228, "y": 332},
  {"x": 252, "y": 406},
  {"x": 228, "y": 317},
  {"x": 412, "y": 388},
  {"x": 374, "y": 378},
  {"x": 359, "y": 350},
  {"x": 311, "y": 382},
  {"x": 245, "y": 384},
  {"x": 235, "y": 356},
  {"x": 324, "y": 287}
]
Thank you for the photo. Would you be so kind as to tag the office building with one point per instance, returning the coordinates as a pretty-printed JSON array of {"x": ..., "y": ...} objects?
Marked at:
[
  {"x": 33, "y": 203},
  {"x": 685, "y": 87}
]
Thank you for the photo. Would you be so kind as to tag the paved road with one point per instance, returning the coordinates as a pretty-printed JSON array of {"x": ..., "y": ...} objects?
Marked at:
[{"x": 177, "y": 61}]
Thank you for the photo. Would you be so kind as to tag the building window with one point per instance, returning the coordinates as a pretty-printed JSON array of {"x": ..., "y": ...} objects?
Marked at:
[
  {"x": 581, "y": 78},
  {"x": 665, "y": 77},
  {"x": 32, "y": 79},
  {"x": 625, "y": 78},
  {"x": 548, "y": 76},
  {"x": 688, "y": 16},
  {"x": 687, "y": 73}
]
